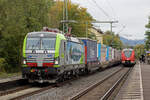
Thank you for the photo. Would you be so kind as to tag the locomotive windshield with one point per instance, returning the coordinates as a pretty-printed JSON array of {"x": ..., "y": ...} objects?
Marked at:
[
  {"x": 48, "y": 43},
  {"x": 128, "y": 53},
  {"x": 33, "y": 43},
  {"x": 40, "y": 43}
]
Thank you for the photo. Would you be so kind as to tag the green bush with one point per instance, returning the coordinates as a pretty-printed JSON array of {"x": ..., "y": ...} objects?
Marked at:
[{"x": 2, "y": 65}]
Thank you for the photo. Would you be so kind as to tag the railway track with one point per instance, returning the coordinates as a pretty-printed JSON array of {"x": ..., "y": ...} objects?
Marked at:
[
  {"x": 29, "y": 90},
  {"x": 36, "y": 91},
  {"x": 10, "y": 91},
  {"x": 20, "y": 86},
  {"x": 13, "y": 86},
  {"x": 104, "y": 88},
  {"x": 16, "y": 86}
]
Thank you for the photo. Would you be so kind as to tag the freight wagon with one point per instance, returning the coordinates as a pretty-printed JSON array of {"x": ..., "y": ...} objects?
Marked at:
[
  {"x": 107, "y": 56},
  {"x": 102, "y": 52},
  {"x": 91, "y": 59}
]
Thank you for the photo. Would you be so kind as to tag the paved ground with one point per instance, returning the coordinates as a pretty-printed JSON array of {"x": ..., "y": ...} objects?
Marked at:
[
  {"x": 132, "y": 88},
  {"x": 146, "y": 81},
  {"x": 137, "y": 86}
]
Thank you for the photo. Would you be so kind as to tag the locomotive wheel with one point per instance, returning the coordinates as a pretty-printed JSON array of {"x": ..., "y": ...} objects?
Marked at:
[{"x": 60, "y": 78}]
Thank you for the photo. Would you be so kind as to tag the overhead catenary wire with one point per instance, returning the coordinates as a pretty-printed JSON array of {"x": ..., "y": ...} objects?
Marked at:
[
  {"x": 89, "y": 4},
  {"x": 100, "y": 8},
  {"x": 112, "y": 9},
  {"x": 104, "y": 12},
  {"x": 92, "y": 6},
  {"x": 116, "y": 16}
]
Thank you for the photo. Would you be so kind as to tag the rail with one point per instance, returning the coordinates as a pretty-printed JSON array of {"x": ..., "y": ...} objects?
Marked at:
[
  {"x": 80, "y": 94},
  {"x": 110, "y": 91}
]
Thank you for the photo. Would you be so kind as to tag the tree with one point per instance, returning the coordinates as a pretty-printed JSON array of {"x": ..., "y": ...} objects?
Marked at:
[
  {"x": 112, "y": 40},
  {"x": 139, "y": 50},
  {"x": 17, "y": 18},
  {"x": 75, "y": 12},
  {"x": 147, "y": 43}
]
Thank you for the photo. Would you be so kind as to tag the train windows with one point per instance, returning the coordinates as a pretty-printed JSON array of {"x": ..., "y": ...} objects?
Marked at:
[
  {"x": 48, "y": 43},
  {"x": 41, "y": 43},
  {"x": 128, "y": 53},
  {"x": 33, "y": 43}
]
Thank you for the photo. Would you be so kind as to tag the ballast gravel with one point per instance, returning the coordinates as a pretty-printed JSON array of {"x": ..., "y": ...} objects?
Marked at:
[{"x": 70, "y": 89}]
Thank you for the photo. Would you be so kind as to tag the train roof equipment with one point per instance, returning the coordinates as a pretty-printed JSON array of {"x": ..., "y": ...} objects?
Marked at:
[
  {"x": 55, "y": 30},
  {"x": 127, "y": 49}
]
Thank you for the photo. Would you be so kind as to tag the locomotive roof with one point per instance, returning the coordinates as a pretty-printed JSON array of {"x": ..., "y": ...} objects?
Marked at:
[
  {"x": 74, "y": 39},
  {"x": 42, "y": 34},
  {"x": 83, "y": 38},
  {"x": 127, "y": 49}
]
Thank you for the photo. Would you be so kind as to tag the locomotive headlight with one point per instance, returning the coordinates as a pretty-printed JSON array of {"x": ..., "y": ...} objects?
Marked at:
[
  {"x": 24, "y": 62},
  {"x": 57, "y": 60}
]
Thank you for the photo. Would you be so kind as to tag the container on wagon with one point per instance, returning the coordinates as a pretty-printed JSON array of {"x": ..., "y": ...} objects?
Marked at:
[
  {"x": 74, "y": 52},
  {"x": 103, "y": 53},
  {"x": 90, "y": 49},
  {"x": 99, "y": 51},
  {"x": 113, "y": 53}
]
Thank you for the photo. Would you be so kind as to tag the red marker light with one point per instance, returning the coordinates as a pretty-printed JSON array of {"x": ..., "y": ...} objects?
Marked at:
[
  {"x": 46, "y": 70},
  {"x": 32, "y": 70}
]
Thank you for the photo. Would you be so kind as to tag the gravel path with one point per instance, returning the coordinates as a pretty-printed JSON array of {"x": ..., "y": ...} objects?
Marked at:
[{"x": 68, "y": 90}]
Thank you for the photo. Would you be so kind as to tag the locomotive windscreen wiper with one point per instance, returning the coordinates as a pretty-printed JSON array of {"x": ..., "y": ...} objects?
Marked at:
[
  {"x": 45, "y": 50},
  {"x": 37, "y": 46},
  {"x": 33, "y": 43},
  {"x": 48, "y": 43}
]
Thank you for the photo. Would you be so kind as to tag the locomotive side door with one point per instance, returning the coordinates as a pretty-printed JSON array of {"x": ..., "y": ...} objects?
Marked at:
[{"x": 62, "y": 52}]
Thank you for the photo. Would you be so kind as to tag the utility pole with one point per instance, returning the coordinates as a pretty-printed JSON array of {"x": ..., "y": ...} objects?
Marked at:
[
  {"x": 111, "y": 27},
  {"x": 86, "y": 29},
  {"x": 65, "y": 20},
  {"x": 66, "y": 2},
  {"x": 65, "y": 16},
  {"x": 110, "y": 22}
]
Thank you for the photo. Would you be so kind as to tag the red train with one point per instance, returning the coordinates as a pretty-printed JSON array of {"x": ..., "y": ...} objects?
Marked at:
[{"x": 128, "y": 57}]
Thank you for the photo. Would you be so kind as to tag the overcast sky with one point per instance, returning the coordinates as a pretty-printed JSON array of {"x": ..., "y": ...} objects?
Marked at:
[{"x": 131, "y": 14}]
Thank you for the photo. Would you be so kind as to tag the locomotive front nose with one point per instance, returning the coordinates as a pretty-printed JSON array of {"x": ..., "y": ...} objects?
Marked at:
[
  {"x": 39, "y": 60},
  {"x": 40, "y": 51}
]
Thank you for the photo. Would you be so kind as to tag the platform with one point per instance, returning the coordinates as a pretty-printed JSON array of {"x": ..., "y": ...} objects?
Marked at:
[
  {"x": 137, "y": 86},
  {"x": 132, "y": 88},
  {"x": 146, "y": 80}
]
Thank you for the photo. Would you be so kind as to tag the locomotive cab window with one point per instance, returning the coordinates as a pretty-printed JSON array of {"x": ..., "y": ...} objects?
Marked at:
[
  {"x": 33, "y": 43},
  {"x": 41, "y": 43},
  {"x": 128, "y": 53},
  {"x": 48, "y": 43}
]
